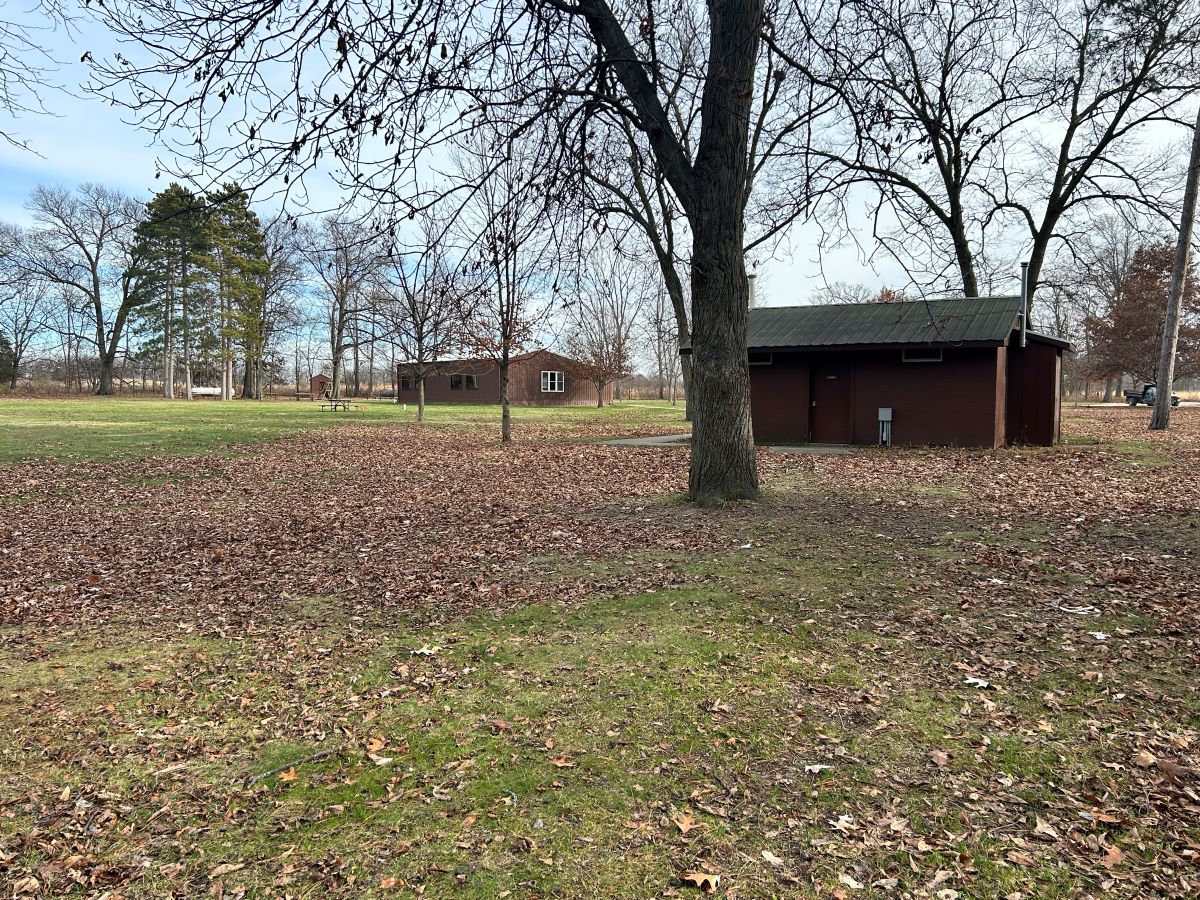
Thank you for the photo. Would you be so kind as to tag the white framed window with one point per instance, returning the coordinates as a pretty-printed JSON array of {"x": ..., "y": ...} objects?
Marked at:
[
  {"x": 553, "y": 382},
  {"x": 921, "y": 354}
]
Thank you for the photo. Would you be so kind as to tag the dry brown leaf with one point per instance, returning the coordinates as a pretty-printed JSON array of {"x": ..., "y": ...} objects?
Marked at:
[
  {"x": 1113, "y": 858},
  {"x": 289, "y": 775},
  {"x": 1144, "y": 759},
  {"x": 706, "y": 881},
  {"x": 1045, "y": 829},
  {"x": 685, "y": 822},
  {"x": 225, "y": 869},
  {"x": 844, "y": 824}
]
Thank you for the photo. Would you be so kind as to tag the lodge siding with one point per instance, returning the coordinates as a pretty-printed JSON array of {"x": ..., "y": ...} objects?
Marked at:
[{"x": 524, "y": 383}]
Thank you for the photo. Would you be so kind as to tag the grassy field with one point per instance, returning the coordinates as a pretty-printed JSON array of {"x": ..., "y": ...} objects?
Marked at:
[
  {"x": 97, "y": 428},
  {"x": 436, "y": 667}
]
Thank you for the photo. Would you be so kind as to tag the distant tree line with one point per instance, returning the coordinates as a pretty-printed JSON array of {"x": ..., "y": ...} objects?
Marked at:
[{"x": 195, "y": 291}]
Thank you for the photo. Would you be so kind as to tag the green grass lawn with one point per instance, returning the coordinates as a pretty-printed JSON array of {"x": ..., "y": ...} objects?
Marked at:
[{"x": 99, "y": 428}]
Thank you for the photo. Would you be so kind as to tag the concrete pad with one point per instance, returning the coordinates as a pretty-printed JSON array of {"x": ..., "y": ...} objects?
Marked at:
[{"x": 662, "y": 440}]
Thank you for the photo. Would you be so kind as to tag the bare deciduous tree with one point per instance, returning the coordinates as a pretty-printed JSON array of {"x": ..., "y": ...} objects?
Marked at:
[
  {"x": 843, "y": 292},
  {"x": 972, "y": 120},
  {"x": 602, "y": 315},
  {"x": 84, "y": 242},
  {"x": 344, "y": 254},
  {"x": 23, "y": 311},
  {"x": 1180, "y": 270},
  {"x": 424, "y": 300},
  {"x": 511, "y": 267},
  {"x": 281, "y": 281}
]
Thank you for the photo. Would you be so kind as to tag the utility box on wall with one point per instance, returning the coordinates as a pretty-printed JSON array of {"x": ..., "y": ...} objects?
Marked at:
[{"x": 885, "y": 426}]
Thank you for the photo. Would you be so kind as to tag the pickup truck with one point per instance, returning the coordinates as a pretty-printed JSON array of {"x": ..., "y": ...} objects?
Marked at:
[{"x": 1146, "y": 395}]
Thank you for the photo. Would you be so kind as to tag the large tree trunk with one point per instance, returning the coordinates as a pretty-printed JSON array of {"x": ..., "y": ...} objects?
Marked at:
[
  {"x": 357, "y": 383},
  {"x": 248, "y": 391},
  {"x": 962, "y": 252},
  {"x": 105, "y": 387},
  {"x": 723, "y": 458},
  {"x": 371, "y": 369},
  {"x": 505, "y": 417},
  {"x": 421, "y": 398},
  {"x": 600, "y": 395},
  {"x": 1179, "y": 269},
  {"x": 169, "y": 349},
  {"x": 335, "y": 387}
]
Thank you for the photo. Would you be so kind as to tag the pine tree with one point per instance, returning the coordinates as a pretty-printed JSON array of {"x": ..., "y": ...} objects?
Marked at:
[
  {"x": 173, "y": 240},
  {"x": 238, "y": 265},
  {"x": 7, "y": 364}
]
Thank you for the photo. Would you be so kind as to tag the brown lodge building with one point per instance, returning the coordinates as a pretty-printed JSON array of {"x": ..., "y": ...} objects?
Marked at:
[
  {"x": 947, "y": 372},
  {"x": 540, "y": 378}
]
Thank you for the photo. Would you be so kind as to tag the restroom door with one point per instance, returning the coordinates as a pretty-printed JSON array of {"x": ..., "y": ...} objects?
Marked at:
[{"x": 831, "y": 409}]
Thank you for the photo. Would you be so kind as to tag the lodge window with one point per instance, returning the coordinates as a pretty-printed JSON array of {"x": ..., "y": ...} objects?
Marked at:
[
  {"x": 553, "y": 382},
  {"x": 456, "y": 382},
  {"x": 472, "y": 383},
  {"x": 761, "y": 359},
  {"x": 921, "y": 354},
  {"x": 406, "y": 383}
]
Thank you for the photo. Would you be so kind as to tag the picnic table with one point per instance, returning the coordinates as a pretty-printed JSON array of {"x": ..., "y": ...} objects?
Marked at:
[{"x": 331, "y": 404}]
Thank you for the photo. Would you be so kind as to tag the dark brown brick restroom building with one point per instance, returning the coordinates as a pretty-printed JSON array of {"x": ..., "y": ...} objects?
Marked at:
[{"x": 947, "y": 372}]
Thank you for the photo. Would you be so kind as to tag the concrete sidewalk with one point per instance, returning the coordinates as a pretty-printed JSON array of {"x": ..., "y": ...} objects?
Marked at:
[{"x": 662, "y": 440}]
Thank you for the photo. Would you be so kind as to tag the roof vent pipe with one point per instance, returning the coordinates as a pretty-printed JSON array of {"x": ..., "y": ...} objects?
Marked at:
[
  {"x": 751, "y": 280},
  {"x": 1024, "y": 302}
]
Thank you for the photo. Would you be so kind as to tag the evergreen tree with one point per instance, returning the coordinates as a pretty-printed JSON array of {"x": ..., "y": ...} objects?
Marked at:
[
  {"x": 174, "y": 241},
  {"x": 7, "y": 364},
  {"x": 238, "y": 266}
]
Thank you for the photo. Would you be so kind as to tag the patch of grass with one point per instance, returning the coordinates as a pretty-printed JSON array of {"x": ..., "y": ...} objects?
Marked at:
[{"x": 102, "y": 428}]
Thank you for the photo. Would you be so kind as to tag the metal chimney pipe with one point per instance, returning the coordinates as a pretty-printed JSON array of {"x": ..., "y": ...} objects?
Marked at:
[
  {"x": 1024, "y": 302},
  {"x": 751, "y": 280}
]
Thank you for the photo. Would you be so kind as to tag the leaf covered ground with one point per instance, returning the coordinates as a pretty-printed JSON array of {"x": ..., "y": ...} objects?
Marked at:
[{"x": 387, "y": 660}]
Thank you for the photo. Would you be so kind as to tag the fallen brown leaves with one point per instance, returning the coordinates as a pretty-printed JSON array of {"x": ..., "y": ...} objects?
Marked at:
[
  {"x": 402, "y": 518},
  {"x": 1018, "y": 697}
]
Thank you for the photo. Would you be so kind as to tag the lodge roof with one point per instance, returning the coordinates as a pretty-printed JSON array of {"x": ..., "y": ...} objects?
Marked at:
[
  {"x": 974, "y": 320},
  {"x": 487, "y": 362}
]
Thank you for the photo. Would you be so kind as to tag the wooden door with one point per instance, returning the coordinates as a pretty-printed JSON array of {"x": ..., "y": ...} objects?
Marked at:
[{"x": 831, "y": 409}]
